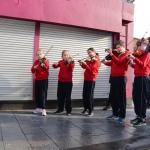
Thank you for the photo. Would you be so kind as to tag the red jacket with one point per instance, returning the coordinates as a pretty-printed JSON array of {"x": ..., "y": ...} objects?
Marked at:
[
  {"x": 40, "y": 72},
  {"x": 142, "y": 65},
  {"x": 65, "y": 72},
  {"x": 119, "y": 65},
  {"x": 91, "y": 70}
]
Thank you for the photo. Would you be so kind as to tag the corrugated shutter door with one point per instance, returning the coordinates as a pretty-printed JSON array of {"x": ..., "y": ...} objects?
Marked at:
[
  {"x": 16, "y": 46},
  {"x": 75, "y": 40}
]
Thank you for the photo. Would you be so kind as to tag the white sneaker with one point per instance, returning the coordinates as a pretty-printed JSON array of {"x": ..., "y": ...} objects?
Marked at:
[
  {"x": 37, "y": 110},
  {"x": 89, "y": 114},
  {"x": 44, "y": 112}
]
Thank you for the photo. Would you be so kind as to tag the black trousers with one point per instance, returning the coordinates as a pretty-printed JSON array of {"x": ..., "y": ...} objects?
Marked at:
[
  {"x": 41, "y": 87},
  {"x": 64, "y": 90},
  {"x": 118, "y": 95},
  {"x": 148, "y": 92},
  {"x": 88, "y": 95},
  {"x": 140, "y": 97},
  {"x": 109, "y": 101}
]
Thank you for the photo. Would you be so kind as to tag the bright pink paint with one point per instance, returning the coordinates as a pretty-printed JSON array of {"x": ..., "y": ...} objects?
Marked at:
[
  {"x": 127, "y": 11},
  {"x": 97, "y": 14}
]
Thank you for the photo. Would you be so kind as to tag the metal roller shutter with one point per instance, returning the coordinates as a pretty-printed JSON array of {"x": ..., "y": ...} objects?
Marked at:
[
  {"x": 76, "y": 40},
  {"x": 16, "y": 45}
]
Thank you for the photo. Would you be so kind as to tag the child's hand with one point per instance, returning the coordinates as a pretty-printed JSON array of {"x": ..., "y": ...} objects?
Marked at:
[
  {"x": 130, "y": 61},
  {"x": 55, "y": 64},
  {"x": 82, "y": 62},
  {"x": 103, "y": 61},
  {"x": 35, "y": 66},
  {"x": 131, "y": 57},
  {"x": 70, "y": 60},
  {"x": 43, "y": 65}
]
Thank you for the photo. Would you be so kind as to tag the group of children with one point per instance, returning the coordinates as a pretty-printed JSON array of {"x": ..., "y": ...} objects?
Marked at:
[
  {"x": 119, "y": 66},
  {"x": 64, "y": 89}
]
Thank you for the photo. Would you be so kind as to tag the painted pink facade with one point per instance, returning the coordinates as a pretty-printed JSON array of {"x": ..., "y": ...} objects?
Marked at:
[
  {"x": 106, "y": 15},
  {"x": 127, "y": 11},
  {"x": 96, "y": 14}
]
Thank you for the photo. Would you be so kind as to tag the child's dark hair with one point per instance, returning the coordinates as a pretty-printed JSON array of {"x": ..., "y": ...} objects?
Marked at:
[
  {"x": 120, "y": 43},
  {"x": 93, "y": 50}
]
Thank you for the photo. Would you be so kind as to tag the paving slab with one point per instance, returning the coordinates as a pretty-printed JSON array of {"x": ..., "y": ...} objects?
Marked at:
[{"x": 23, "y": 130}]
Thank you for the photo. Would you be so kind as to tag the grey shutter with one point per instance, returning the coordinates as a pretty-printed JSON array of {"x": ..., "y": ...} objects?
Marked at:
[
  {"x": 75, "y": 40},
  {"x": 16, "y": 46}
]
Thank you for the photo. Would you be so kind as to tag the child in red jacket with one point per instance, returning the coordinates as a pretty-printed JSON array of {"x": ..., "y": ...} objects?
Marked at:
[
  {"x": 91, "y": 67},
  {"x": 41, "y": 70},
  {"x": 148, "y": 88},
  {"x": 64, "y": 88},
  {"x": 119, "y": 67},
  {"x": 141, "y": 67}
]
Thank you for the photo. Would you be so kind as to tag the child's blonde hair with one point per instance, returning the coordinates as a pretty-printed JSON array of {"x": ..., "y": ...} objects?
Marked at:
[
  {"x": 64, "y": 52},
  {"x": 145, "y": 42},
  {"x": 40, "y": 50}
]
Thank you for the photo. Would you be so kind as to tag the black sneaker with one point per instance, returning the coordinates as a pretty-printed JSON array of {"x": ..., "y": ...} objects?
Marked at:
[
  {"x": 58, "y": 112},
  {"x": 140, "y": 122},
  {"x": 84, "y": 112},
  {"x": 134, "y": 120},
  {"x": 106, "y": 107},
  {"x": 148, "y": 106}
]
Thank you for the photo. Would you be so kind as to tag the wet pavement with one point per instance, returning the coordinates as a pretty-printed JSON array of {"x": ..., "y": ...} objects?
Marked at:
[{"x": 23, "y": 130}]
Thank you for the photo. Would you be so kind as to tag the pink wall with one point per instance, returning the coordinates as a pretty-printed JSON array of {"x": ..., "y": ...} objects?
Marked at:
[
  {"x": 127, "y": 11},
  {"x": 96, "y": 14}
]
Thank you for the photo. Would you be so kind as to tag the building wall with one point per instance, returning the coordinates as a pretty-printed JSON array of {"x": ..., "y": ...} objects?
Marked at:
[
  {"x": 97, "y": 14},
  {"x": 127, "y": 11},
  {"x": 104, "y": 15}
]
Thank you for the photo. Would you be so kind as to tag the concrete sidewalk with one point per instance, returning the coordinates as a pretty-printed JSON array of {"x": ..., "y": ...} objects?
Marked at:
[{"x": 23, "y": 130}]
